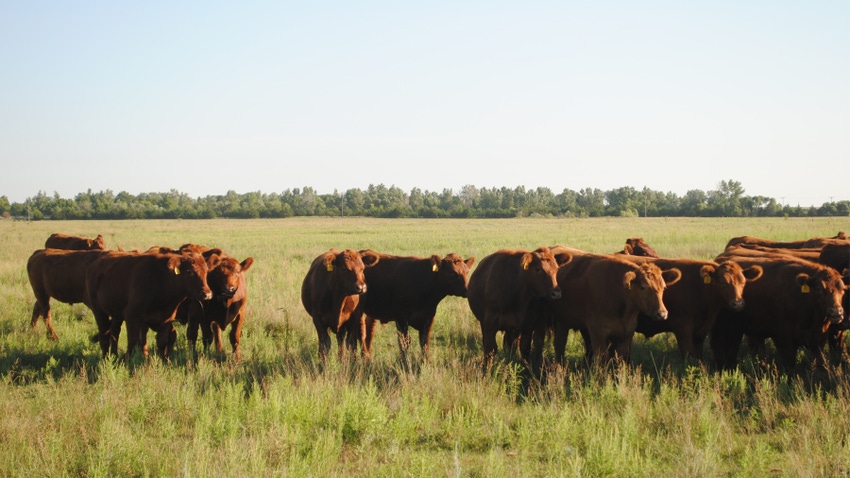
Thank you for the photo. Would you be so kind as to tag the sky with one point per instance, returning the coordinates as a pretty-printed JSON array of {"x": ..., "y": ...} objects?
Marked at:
[{"x": 209, "y": 97}]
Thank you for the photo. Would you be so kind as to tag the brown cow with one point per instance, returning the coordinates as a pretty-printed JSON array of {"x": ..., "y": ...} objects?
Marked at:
[
  {"x": 331, "y": 292},
  {"x": 693, "y": 304},
  {"x": 143, "y": 291},
  {"x": 839, "y": 238},
  {"x": 227, "y": 306},
  {"x": 60, "y": 274},
  {"x": 636, "y": 247},
  {"x": 502, "y": 288},
  {"x": 794, "y": 303},
  {"x": 602, "y": 297},
  {"x": 407, "y": 290},
  {"x": 74, "y": 243}
]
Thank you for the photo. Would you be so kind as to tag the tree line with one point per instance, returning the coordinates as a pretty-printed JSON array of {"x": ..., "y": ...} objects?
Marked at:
[{"x": 728, "y": 200}]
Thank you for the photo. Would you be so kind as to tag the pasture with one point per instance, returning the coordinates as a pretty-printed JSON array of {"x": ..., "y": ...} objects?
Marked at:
[{"x": 67, "y": 412}]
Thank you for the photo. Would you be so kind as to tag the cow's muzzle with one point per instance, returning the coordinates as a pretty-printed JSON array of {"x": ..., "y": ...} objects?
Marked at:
[
  {"x": 660, "y": 315},
  {"x": 555, "y": 293},
  {"x": 737, "y": 305},
  {"x": 836, "y": 315}
]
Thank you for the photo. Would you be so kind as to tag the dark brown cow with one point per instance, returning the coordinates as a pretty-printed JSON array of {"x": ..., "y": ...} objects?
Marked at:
[
  {"x": 60, "y": 274},
  {"x": 693, "y": 304},
  {"x": 74, "y": 243},
  {"x": 227, "y": 306},
  {"x": 636, "y": 247},
  {"x": 602, "y": 297},
  {"x": 794, "y": 304},
  {"x": 407, "y": 290},
  {"x": 502, "y": 288},
  {"x": 143, "y": 291},
  {"x": 839, "y": 238},
  {"x": 331, "y": 292}
]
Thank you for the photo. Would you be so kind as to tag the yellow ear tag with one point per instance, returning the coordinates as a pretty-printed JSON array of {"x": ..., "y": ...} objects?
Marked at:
[
  {"x": 176, "y": 271},
  {"x": 525, "y": 267},
  {"x": 805, "y": 289},
  {"x": 706, "y": 280},
  {"x": 629, "y": 285},
  {"x": 435, "y": 268},
  {"x": 330, "y": 267}
]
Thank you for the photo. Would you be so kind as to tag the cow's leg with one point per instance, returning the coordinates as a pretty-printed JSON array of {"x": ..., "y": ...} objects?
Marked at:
[
  {"x": 536, "y": 352},
  {"x": 215, "y": 328},
  {"x": 115, "y": 333},
  {"x": 786, "y": 349},
  {"x": 192, "y": 334},
  {"x": 164, "y": 335},
  {"x": 425, "y": 338},
  {"x": 236, "y": 336},
  {"x": 623, "y": 348},
  {"x": 559, "y": 341},
  {"x": 403, "y": 333},
  {"x": 41, "y": 308},
  {"x": 134, "y": 336},
  {"x": 324, "y": 340},
  {"x": 488, "y": 339},
  {"x": 685, "y": 340},
  {"x": 206, "y": 333},
  {"x": 370, "y": 326},
  {"x": 103, "y": 331}
]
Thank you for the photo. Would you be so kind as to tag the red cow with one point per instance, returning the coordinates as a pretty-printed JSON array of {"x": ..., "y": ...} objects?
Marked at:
[
  {"x": 331, "y": 292},
  {"x": 636, "y": 247},
  {"x": 144, "y": 291},
  {"x": 794, "y": 303},
  {"x": 602, "y": 297},
  {"x": 63, "y": 241},
  {"x": 693, "y": 304},
  {"x": 407, "y": 290},
  {"x": 227, "y": 306},
  {"x": 60, "y": 274},
  {"x": 839, "y": 238},
  {"x": 503, "y": 287}
]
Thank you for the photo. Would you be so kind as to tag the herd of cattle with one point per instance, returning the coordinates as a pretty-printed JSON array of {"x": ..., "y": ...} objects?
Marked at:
[{"x": 793, "y": 293}]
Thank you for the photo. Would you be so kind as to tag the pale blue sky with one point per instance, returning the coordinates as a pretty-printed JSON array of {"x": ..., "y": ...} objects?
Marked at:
[{"x": 207, "y": 97}]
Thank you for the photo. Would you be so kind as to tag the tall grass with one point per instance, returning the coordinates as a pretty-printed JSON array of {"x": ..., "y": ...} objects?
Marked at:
[{"x": 66, "y": 412}]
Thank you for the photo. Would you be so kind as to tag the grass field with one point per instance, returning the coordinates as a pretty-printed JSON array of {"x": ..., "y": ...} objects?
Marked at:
[{"x": 67, "y": 412}]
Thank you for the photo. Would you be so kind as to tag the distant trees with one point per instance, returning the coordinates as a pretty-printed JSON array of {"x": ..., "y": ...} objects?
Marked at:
[{"x": 378, "y": 200}]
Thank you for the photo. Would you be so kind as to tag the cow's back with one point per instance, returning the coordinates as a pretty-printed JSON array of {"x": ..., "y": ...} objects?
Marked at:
[{"x": 61, "y": 274}]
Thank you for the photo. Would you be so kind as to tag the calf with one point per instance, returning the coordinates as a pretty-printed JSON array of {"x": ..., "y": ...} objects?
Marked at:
[
  {"x": 331, "y": 292},
  {"x": 60, "y": 274},
  {"x": 64, "y": 241},
  {"x": 407, "y": 290}
]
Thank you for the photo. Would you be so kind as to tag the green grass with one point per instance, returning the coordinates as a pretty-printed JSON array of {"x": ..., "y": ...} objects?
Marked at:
[{"x": 66, "y": 412}]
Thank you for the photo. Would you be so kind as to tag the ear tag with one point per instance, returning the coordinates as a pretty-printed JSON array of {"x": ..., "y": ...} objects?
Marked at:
[
  {"x": 330, "y": 267},
  {"x": 525, "y": 267},
  {"x": 706, "y": 280},
  {"x": 805, "y": 289},
  {"x": 629, "y": 285},
  {"x": 176, "y": 271},
  {"x": 435, "y": 268}
]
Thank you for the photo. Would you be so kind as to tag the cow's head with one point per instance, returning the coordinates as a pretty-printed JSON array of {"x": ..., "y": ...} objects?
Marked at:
[
  {"x": 225, "y": 279},
  {"x": 346, "y": 269},
  {"x": 645, "y": 285},
  {"x": 96, "y": 244},
  {"x": 727, "y": 280},
  {"x": 636, "y": 247},
  {"x": 452, "y": 272},
  {"x": 191, "y": 272},
  {"x": 540, "y": 271},
  {"x": 827, "y": 289}
]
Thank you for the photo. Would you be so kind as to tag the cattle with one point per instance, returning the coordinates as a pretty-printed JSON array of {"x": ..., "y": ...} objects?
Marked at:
[
  {"x": 794, "y": 303},
  {"x": 227, "y": 306},
  {"x": 58, "y": 274},
  {"x": 407, "y": 290},
  {"x": 502, "y": 288},
  {"x": 693, "y": 304},
  {"x": 330, "y": 293},
  {"x": 839, "y": 238},
  {"x": 602, "y": 297},
  {"x": 636, "y": 247},
  {"x": 143, "y": 291},
  {"x": 74, "y": 243}
]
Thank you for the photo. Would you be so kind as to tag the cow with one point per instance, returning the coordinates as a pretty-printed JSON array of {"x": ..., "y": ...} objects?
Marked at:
[
  {"x": 74, "y": 243},
  {"x": 407, "y": 290},
  {"x": 503, "y": 287},
  {"x": 227, "y": 306},
  {"x": 330, "y": 293},
  {"x": 636, "y": 247},
  {"x": 794, "y": 303},
  {"x": 58, "y": 274},
  {"x": 602, "y": 297},
  {"x": 693, "y": 304},
  {"x": 143, "y": 291},
  {"x": 839, "y": 238}
]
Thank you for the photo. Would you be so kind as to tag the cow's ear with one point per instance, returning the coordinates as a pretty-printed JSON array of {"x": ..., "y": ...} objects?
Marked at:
[
  {"x": 753, "y": 273},
  {"x": 213, "y": 261},
  {"x": 246, "y": 264},
  {"x": 803, "y": 281},
  {"x": 470, "y": 261},
  {"x": 526, "y": 260},
  {"x": 174, "y": 264},
  {"x": 671, "y": 276},
  {"x": 435, "y": 263},
  {"x": 628, "y": 249},
  {"x": 706, "y": 272},
  {"x": 207, "y": 254},
  {"x": 628, "y": 278},
  {"x": 370, "y": 258},
  {"x": 563, "y": 258},
  {"x": 329, "y": 261}
]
